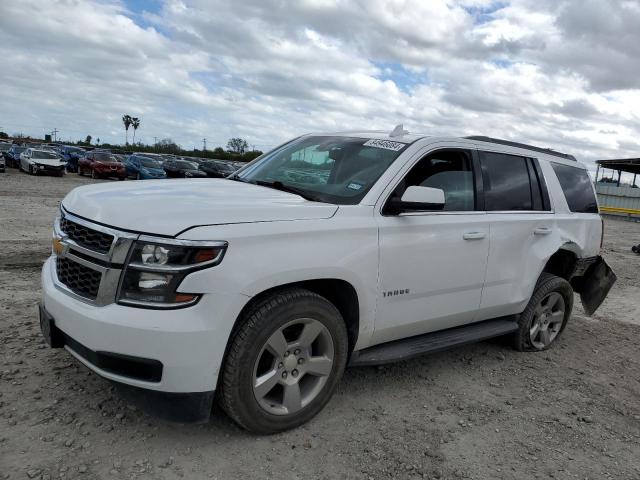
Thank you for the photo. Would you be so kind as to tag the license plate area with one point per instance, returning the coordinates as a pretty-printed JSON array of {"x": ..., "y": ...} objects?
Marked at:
[{"x": 52, "y": 335}]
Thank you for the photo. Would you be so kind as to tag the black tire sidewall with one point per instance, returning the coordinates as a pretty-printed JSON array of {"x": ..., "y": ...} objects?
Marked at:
[
  {"x": 238, "y": 399},
  {"x": 546, "y": 284}
]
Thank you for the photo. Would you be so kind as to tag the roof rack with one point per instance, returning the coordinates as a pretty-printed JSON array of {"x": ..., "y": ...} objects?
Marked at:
[{"x": 547, "y": 151}]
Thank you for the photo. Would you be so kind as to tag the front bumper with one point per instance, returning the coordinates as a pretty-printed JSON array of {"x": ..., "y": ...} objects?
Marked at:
[
  {"x": 57, "y": 169},
  {"x": 107, "y": 172},
  {"x": 189, "y": 343}
]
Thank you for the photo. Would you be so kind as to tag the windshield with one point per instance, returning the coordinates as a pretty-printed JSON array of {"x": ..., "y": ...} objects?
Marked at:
[
  {"x": 225, "y": 167},
  {"x": 18, "y": 149},
  {"x": 331, "y": 169},
  {"x": 43, "y": 155},
  {"x": 105, "y": 157},
  {"x": 185, "y": 165},
  {"x": 147, "y": 162}
]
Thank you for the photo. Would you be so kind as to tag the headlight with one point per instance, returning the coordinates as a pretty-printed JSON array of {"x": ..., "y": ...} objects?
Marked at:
[{"x": 156, "y": 267}]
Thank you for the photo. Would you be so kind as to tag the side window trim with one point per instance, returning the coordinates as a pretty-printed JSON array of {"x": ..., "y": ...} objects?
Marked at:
[
  {"x": 542, "y": 183},
  {"x": 477, "y": 180}
]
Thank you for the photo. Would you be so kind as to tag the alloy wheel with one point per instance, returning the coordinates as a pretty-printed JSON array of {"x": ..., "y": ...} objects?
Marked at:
[
  {"x": 547, "y": 320},
  {"x": 293, "y": 366}
]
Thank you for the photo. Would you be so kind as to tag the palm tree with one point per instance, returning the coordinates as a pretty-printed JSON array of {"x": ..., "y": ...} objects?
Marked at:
[
  {"x": 135, "y": 123},
  {"x": 126, "y": 119}
]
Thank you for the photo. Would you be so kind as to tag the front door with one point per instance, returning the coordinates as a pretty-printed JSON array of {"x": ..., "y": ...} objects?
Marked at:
[{"x": 432, "y": 263}]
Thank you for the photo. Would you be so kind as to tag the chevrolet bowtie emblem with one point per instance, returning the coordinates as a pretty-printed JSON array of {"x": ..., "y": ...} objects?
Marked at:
[{"x": 59, "y": 247}]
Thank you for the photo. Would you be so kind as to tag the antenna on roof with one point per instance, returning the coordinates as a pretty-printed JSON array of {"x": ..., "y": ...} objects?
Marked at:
[{"x": 398, "y": 131}]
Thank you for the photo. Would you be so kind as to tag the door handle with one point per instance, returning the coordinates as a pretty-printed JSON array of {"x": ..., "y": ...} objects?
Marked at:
[
  {"x": 542, "y": 231},
  {"x": 473, "y": 235}
]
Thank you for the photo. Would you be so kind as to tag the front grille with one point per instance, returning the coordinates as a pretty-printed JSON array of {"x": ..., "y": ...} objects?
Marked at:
[
  {"x": 79, "y": 279},
  {"x": 86, "y": 237}
]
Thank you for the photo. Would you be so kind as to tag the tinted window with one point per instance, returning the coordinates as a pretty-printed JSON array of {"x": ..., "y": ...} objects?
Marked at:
[
  {"x": 105, "y": 157},
  {"x": 448, "y": 170},
  {"x": 577, "y": 188},
  {"x": 43, "y": 154},
  {"x": 149, "y": 163},
  {"x": 507, "y": 184}
]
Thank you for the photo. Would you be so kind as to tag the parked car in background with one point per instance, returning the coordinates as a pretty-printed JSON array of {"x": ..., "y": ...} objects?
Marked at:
[
  {"x": 13, "y": 156},
  {"x": 37, "y": 161},
  {"x": 4, "y": 149},
  {"x": 217, "y": 168},
  {"x": 182, "y": 169},
  {"x": 71, "y": 154},
  {"x": 143, "y": 168},
  {"x": 101, "y": 164}
]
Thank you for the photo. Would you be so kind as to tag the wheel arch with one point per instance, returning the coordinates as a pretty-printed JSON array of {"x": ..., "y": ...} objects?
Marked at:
[
  {"x": 340, "y": 293},
  {"x": 562, "y": 262}
]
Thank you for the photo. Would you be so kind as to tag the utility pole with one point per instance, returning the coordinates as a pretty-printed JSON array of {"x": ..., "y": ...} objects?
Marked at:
[
  {"x": 204, "y": 144},
  {"x": 55, "y": 132}
]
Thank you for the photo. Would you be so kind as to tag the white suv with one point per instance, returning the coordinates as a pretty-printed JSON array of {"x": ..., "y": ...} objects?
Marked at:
[{"x": 352, "y": 248}]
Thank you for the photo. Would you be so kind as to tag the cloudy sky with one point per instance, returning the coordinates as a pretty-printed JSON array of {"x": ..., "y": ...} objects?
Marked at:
[{"x": 558, "y": 73}]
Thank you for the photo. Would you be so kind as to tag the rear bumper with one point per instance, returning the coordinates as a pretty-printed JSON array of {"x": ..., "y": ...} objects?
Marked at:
[{"x": 593, "y": 280}]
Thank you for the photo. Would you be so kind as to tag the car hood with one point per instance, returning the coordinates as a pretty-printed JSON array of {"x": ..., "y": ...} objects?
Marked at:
[
  {"x": 168, "y": 207},
  {"x": 153, "y": 171},
  {"x": 52, "y": 162},
  {"x": 100, "y": 163}
]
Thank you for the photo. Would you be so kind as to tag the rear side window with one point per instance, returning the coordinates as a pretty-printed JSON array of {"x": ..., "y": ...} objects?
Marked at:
[
  {"x": 577, "y": 188},
  {"x": 510, "y": 183}
]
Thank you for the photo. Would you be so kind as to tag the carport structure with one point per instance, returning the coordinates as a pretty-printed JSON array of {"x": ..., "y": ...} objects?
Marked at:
[{"x": 615, "y": 198}]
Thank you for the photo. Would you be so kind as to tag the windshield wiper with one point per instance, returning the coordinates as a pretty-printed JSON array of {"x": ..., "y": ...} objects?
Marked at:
[
  {"x": 235, "y": 177},
  {"x": 289, "y": 189}
]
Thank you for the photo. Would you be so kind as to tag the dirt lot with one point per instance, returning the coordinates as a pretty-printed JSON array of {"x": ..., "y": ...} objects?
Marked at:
[{"x": 483, "y": 411}]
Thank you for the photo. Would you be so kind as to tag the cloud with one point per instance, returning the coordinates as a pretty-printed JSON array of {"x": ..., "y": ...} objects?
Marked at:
[{"x": 560, "y": 74}]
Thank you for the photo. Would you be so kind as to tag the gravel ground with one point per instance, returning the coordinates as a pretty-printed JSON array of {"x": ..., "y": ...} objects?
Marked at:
[{"x": 482, "y": 411}]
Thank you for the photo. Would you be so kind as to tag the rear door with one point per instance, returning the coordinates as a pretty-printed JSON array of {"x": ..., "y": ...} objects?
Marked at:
[{"x": 522, "y": 225}]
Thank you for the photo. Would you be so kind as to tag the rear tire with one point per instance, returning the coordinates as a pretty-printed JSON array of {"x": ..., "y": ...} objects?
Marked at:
[
  {"x": 284, "y": 361},
  {"x": 546, "y": 314}
]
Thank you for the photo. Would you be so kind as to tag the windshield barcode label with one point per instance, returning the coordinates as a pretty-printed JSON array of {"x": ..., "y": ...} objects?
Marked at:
[{"x": 386, "y": 144}]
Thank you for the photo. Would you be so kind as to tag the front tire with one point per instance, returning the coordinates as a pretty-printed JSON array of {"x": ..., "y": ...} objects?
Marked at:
[
  {"x": 546, "y": 314},
  {"x": 284, "y": 361}
]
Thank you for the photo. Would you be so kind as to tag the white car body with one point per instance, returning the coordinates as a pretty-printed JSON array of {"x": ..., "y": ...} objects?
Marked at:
[
  {"x": 456, "y": 267},
  {"x": 30, "y": 162}
]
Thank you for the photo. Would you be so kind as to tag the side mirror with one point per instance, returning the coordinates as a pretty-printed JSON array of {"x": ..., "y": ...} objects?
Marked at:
[{"x": 416, "y": 198}]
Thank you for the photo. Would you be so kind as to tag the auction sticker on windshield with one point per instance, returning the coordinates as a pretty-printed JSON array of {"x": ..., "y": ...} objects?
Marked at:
[{"x": 386, "y": 144}]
